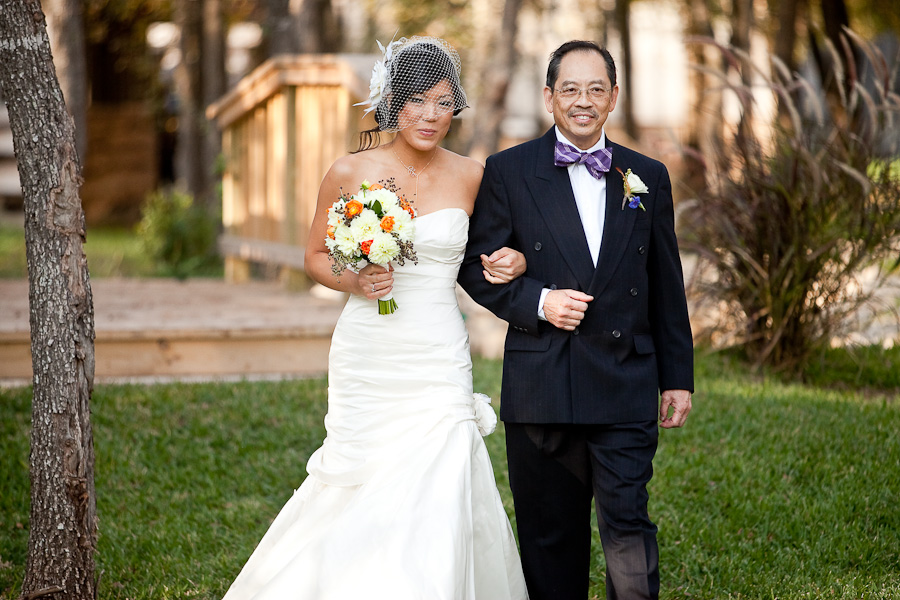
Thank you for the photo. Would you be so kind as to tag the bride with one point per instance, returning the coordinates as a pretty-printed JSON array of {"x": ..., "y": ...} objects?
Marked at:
[{"x": 400, "y": 501}]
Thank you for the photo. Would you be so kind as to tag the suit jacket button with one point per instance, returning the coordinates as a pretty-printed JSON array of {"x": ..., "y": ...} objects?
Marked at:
[
  {"x": 538, "y": 246},
  {"x": 576, "y": 332},
  {"x": 616, "y": 333},
  {"x": 552, "y": 286},
  {"x": 634, "y": 292},
  {"x": 642, "y": 249}
]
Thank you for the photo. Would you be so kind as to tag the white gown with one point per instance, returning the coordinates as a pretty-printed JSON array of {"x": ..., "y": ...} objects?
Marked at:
[{"x": 400, "y": 502}]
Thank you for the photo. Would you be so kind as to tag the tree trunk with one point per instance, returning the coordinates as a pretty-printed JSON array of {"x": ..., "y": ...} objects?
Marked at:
[
  {"x": 214, "y": 86},
  {"x": 318, "y": 27},
  {"x": 786, "y": 37},
  {"x": 188, "y": 150},
  {"x": 63, "y": 528},
  {"x": 65, "y": 25},
  {"x": 705, "y": 124},
  {"x": 742, "y": 25},
  {"x": 282, "y": 27},
  {"x": 623, "y": 14},
  {"x": 495, "y": 83}
]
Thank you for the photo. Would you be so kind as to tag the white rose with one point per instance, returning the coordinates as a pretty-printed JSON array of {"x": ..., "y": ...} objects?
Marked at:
[
  {"x": 404, "y": 226},
  {"x": 386, "y": 198},
  {"x": 345, "y": 242},
  {"x": 365, "y": 225},
  {"x": 334, "y": 219},
  {"x": 384, "y": 249},
  {"x": 635, "y": 185}
]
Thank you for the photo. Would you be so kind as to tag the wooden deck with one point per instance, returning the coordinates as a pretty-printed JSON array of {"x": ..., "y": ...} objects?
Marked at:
[
  {"x": 162, "y": 329},
  {"x": 168, "y": 329}
]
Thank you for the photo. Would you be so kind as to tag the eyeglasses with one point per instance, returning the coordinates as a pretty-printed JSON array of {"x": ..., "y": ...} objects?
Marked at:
[{"x": 570, "y": 92}]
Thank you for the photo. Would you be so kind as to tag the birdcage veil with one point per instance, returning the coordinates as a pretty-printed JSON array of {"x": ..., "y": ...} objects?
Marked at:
[{"x": 409, "y": 68}]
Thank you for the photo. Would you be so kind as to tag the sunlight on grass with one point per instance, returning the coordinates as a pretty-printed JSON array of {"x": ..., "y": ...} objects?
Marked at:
[
  {"x": 773, "y": 490},
  {"x": 111, "y": 252}
]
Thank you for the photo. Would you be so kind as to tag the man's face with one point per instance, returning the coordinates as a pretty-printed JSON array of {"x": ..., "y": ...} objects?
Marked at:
[{"x": 582, "y": 98}]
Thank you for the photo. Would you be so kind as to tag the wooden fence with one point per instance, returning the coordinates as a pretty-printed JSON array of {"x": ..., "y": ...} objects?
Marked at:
[{"x": 282, "y": 127}]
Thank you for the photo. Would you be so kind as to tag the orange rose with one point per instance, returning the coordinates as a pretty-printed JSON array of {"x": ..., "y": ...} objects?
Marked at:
[
  {"x": 387, "y": 224},
  {"x": 405, "y": 205},
  {"x": 366, "y": 246},
  {"x": 353, "y": 208},
  {"x": 376, "y": 186},
  {"x": 330, "y": 231}
]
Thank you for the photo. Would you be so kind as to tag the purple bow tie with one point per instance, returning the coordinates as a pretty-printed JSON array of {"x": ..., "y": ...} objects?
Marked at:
[{"x": 597, "y": 162}]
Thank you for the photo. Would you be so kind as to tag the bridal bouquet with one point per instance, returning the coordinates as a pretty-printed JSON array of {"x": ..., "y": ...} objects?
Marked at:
[{"x": 376, "y": 224}]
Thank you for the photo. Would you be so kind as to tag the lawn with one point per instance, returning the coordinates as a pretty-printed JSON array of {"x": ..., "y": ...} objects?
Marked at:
[
  {"x": 773, "y": 490},
  {"x": 111, "y": 252}
]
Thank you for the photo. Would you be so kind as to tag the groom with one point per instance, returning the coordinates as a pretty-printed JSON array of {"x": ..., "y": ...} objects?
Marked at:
[{"x": 599, "y": 350}]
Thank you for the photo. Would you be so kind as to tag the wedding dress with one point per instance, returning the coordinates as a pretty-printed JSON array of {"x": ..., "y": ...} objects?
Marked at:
[{"x": 400, "y": 501}]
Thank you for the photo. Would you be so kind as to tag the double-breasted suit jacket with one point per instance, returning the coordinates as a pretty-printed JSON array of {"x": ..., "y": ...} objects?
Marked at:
[{"x": 635, "y": 339}]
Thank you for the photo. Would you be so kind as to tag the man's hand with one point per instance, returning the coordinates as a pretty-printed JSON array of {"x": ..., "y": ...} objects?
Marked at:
[
  {"x": 565, "y": 308},
  {"x": 680, "y": 403},
  {"x": 503, "y": 265}
]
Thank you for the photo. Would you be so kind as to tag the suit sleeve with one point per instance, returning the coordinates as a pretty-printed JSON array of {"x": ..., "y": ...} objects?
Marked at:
[
  {"x": 669, "y": 320},
  {"x": 491, "y": 227}
]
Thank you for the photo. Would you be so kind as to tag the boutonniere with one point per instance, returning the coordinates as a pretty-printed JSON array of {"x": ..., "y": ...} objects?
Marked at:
[{"x": 633, "y": 187}]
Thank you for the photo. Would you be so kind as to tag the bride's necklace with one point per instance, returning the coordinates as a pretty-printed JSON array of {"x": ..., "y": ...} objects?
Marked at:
[{"x": 412, "y": 170}]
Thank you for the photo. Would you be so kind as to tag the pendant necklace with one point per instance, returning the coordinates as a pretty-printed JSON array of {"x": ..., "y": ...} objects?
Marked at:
[{"x": 412, "y": 170}]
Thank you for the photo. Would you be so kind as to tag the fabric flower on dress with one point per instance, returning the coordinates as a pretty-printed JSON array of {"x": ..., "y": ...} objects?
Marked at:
[{"x": 485, "y": 417}]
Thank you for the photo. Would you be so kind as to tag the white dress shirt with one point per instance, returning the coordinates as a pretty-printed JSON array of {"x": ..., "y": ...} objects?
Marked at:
[{"x": 590, "y": 198}]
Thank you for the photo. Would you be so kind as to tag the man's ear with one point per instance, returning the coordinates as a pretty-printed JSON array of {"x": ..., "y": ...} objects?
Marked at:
[
  {"x": 613, "y": 96},
  {"x": 548, "y": 99}
]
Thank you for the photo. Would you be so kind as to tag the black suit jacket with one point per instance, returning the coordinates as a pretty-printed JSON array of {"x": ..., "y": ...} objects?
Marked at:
[{"x": 635, "y": 339}]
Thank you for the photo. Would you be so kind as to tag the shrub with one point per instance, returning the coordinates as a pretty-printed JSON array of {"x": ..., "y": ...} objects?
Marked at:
[
  {"x": 799, "y": 222},
  {"x": 178, "y": 235}
]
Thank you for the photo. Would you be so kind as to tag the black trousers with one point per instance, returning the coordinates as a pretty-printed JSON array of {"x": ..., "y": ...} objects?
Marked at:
[{"x": 554, "y": 472}]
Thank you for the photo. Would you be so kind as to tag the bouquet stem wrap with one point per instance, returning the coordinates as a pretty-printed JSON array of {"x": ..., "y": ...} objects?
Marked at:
[{"x": 386, "y": 304}]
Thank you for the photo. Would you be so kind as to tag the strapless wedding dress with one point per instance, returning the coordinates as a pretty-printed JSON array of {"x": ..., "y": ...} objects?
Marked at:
[{"x": 400, "y": 501}]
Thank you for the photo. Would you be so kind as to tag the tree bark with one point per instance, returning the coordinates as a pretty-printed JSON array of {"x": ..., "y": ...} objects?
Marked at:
[
  {"x": 214, "y": 85},
  {"x": 623, "y": 18},
  {"x": 283, "y": 28},
  {"x": 188, "y": 150},
  {"x": 318, "y": 27},
  {"x": 63, "y": 528},
  {"x": 65, "y": 25},
  {"x": 786, "y": 37},
  {"x": 495, "y": 83}
]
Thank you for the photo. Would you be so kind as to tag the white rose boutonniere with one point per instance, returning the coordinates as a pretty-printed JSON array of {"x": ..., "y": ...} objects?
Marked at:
[{"x": 633, "y": 186}]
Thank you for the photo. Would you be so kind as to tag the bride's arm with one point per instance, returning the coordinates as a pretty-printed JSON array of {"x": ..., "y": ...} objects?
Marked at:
[
  {"x": 503, "y": 265},
  {"x": 317, "y": 263}
]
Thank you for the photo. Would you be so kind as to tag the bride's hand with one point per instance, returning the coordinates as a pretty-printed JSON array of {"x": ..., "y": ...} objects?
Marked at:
[
  {"x": 374, "y": 281},
  {"x": 503, "y": 265}
]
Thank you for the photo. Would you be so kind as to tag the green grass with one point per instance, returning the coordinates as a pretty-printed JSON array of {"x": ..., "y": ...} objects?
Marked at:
[
  {"x": 773, "y": 490},
  {"x": 111, "y": 252}
]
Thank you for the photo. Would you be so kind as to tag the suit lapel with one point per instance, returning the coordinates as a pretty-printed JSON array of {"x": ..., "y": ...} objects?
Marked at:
[
  {"x": 552, "y": 192},
  {"x": 617, "y": 227}
]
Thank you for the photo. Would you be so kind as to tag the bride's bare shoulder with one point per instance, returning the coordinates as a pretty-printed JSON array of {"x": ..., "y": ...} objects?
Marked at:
[
  {"x": 469, "y": 170},
  {"x": 353, "y": 168}
]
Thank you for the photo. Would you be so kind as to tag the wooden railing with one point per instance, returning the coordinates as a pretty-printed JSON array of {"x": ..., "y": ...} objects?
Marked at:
[{"x": 282, "y": 127}]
